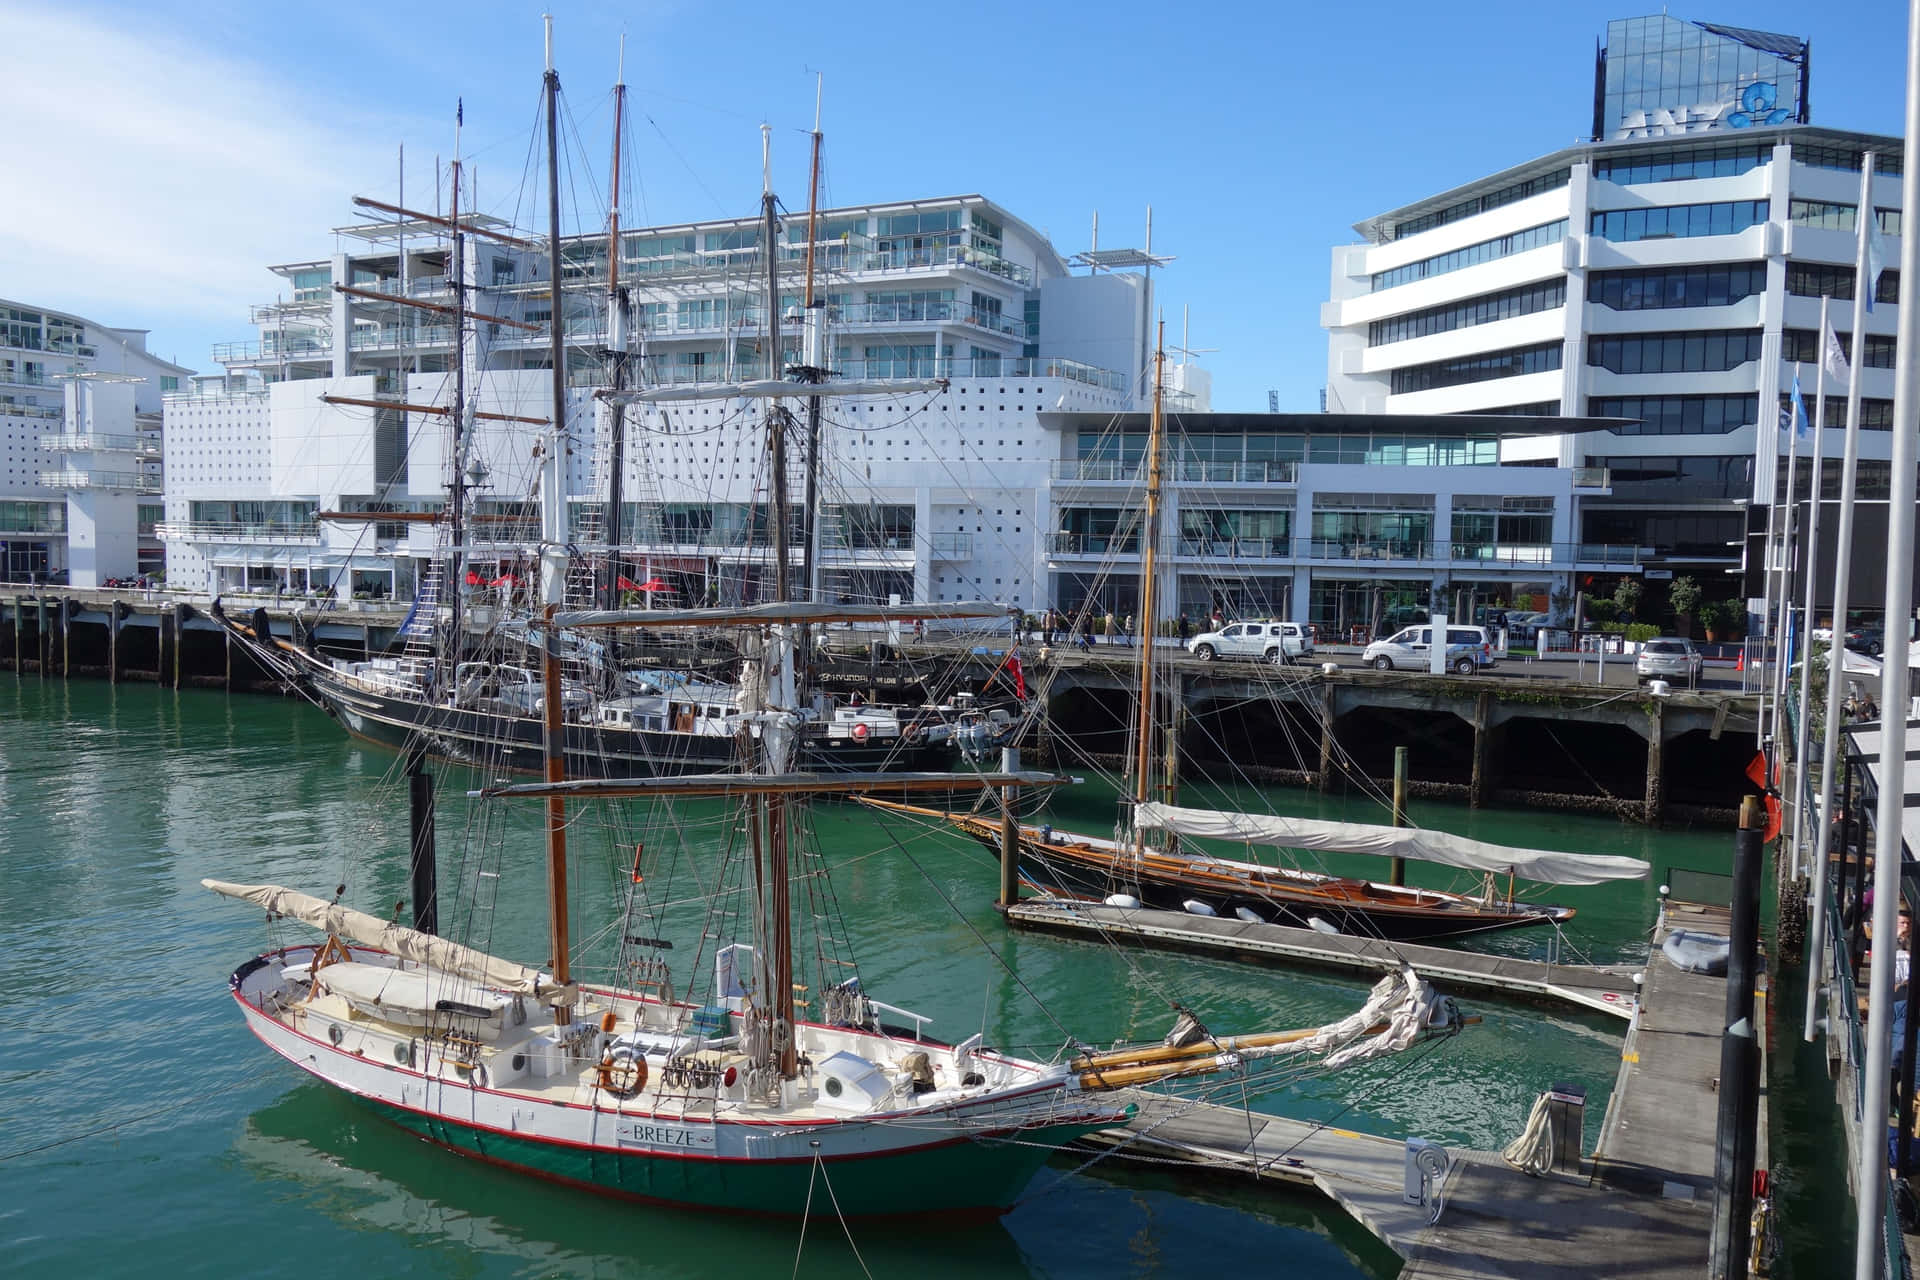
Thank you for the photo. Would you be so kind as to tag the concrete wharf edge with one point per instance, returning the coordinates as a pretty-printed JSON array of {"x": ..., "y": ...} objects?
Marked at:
[
  {"x": 1599, "y": 988},
  {"x": 1641, "y": 1207}
]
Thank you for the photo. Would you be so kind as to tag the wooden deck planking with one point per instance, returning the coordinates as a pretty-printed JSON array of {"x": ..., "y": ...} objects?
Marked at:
[{"x": 1601, "y": 988}]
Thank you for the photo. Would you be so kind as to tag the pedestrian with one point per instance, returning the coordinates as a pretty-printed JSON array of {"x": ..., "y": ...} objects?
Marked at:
[
  {"x": 1185, "y": 627},
  {"x": 1086, "y": 630},
  {"x": 1112, "y": 628},
  {"x": 1130, "y": 632}
]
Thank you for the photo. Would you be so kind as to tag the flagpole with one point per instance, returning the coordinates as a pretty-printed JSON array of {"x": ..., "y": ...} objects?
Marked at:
[
  {"x": 1783, "y": 602},
  {"x": 1761, "y": 670},
  {"x": 1864, "y": 279},
  {"x": 1812, "y": 575},
  {"x": 1869, "y": 1238}
]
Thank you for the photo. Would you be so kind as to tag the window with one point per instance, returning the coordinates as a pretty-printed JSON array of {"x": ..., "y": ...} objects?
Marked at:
[
  {"x": 169, "y": 382},
  {"x": 1827, "y": 216},
  {"x": 1678, "y": 415},
  {"x": 1692, "y": 351},
  {"x": 1875, "y": 415},
  {"x": 1684, "y": 162},
  {"x": 1846, "y": 159},
  {"x": 1523, "y": 301},
  {"x": 1802, "y": 346},
  {"x": 1679, "y": 479},
  {"x": 1816, "y": 280},
  {"x": 1677, "y": 221},
  {"x": 1480, "y": 204},
  {"x": 1500, "y": 364},
  {"x": 1485, "y": 251},
  {"x": 1666, "y": 287}
]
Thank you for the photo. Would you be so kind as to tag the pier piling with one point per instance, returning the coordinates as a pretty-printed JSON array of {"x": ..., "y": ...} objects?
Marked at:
[
  {"x": 1397, "y": 867},
  {"x": 43, "y": 638},
  {"x": 1739, "y": 1060},
  {"x": 1656, "y": 762}
]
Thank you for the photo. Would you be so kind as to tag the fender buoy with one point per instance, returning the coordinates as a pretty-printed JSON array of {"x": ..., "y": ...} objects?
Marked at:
[
  {"x": 608, "y": 1021},
  {"x": 478, "y": 1076},
  {"x": 860, "y": 732},
  {"x": 623, "y": 1071}
]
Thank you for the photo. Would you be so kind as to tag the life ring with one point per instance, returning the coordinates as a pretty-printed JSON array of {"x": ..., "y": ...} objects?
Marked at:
[
  {"x": 860, "y": 732},
  {"x": 477, "y": 1076},
  {"x": 623, "y": 1071},
  {"x": 336, "y": 1033}
]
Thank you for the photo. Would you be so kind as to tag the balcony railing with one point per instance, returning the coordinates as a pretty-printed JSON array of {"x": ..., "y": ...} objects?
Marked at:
[
  {"x": 952, "y": 546},
  {"x": 44, "y": 412},
  {"x": 745, "y": 263},
  {"x": 25, "y": 377},
  {"x": 145, "y": 446},
  {"x": 69, "y": 347},
  {"x": 271, "y": 348},
  {"x": 1191, "y": 471},
  {"x": 224, "y": 531},
  {"x": 1591, "y": 478},
  {"x": 1411, "y": 552},
  {"x": 662, "y": 373},
  {"x": 75, "y": 478}
]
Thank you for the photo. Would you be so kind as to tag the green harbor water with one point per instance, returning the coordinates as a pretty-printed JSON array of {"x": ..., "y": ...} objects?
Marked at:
[{"x": 144, "y": 1132}]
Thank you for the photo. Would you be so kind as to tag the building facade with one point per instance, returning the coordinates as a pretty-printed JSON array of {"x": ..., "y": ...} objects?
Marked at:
[
  {"x": 1669, "y": 276},
  {"x": 934, "y": 492},
  {"x": 80, "y": 434}
]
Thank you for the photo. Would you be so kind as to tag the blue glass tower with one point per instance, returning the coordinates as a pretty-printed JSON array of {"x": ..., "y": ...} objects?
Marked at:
[{"x": 1661, "y": 76}]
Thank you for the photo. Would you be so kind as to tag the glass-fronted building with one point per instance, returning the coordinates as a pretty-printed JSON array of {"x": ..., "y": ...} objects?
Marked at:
[{"x": 1662, "y": 76}]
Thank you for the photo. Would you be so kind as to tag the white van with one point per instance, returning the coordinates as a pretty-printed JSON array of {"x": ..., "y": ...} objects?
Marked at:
[{"x": 1408, "y": 649}]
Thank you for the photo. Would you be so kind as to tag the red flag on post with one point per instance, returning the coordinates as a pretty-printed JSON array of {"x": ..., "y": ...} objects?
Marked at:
[
  {"x": 625, "y": 583},
  {"x": 1019, "y": 676}
]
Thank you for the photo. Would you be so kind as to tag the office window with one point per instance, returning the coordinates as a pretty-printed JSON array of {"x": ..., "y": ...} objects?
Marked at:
[
  {"x": 1673, "y": 479},
  {"x": 1481, "y": 204},
  {"x": 1692, "y": 351},
  {"x": 1678, "y": 221},
  {"x": 1846, "y": 159},
  {"x": 1664, "y": 287},
  {"x": 1684, "y": 162},
  {"x": 1827, "y": 216},
  {"x": 1678, "y": 415},
  {"x": 1523, "y": 301},
  {"x": 1499, "y": 364},
  {"x": 1817, "y": 280},
  {"x": 1802, "y": 346},
  {"x": 1470, "y": 255},
  {"x": 1875, "y": 415}
]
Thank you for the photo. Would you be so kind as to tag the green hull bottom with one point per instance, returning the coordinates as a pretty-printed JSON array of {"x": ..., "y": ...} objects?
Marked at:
[{"x": 963, "y": 1177}]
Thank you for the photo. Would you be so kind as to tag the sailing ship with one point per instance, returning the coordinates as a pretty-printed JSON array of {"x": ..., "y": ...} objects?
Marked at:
[
  {"x": 735, "y": 1101},
  {"x": 1148, "y": 864},
  {"x": 475, "y": 699}
]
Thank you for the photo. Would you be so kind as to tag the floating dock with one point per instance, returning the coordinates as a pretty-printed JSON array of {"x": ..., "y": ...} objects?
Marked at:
[
  {"x": 1601, "y": 988},
  {"x": 1642, "y": 1204}
]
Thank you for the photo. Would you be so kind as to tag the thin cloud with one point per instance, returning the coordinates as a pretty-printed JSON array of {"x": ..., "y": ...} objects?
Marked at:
[{"x": 153, "y": 179}]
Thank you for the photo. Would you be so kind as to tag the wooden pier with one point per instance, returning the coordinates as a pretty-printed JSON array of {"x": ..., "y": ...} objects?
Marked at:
[
  {"x": 1602, "y": 988},
  {"x": 1641, "y": 1204}
]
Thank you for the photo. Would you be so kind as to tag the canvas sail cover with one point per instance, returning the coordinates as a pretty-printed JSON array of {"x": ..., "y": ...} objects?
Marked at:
[
  {"x": 408, "y": 944},
  {"x": 1546, "y": 866}
]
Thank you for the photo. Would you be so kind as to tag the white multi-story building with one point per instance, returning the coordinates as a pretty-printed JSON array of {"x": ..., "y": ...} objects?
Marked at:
[
  {"x": 80, "y": 438},
  {"x": 1669, "y": 274},
  {"x": 935, "y": 494}
]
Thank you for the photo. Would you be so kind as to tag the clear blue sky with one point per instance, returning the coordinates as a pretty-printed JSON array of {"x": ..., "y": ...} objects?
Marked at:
[{"x": 161, "y": 155}]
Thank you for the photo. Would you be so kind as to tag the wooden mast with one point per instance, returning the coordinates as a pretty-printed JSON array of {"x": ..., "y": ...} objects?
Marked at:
[
  {"x": 1150, "y": 537},
  {"x": 780, "y": 911},
  {"x": 554, "y": 756},
  {"x": 814, "y": 360},
  {"x": 618, "y": 307},
  {"x": 554, "y": 740},
  {"x": 457, "y": 485}
]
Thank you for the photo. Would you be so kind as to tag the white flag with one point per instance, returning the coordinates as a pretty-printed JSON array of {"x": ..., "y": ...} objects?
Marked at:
[
  {"x": 1876, "y": 254},
  {"x": 1833, "y": 357}
]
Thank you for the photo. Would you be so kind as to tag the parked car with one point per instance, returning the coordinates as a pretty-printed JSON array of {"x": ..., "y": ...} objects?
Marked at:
[
  {"x": 1868, "y": 640},
  {"x": 1409, "y": 649},
  {"x": 1266, "y": 639},
  {"x": 1668, "y": 658}
]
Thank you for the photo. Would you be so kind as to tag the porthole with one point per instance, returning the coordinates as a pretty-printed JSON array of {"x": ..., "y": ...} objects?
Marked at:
[{"x": 833, "y": 1086}]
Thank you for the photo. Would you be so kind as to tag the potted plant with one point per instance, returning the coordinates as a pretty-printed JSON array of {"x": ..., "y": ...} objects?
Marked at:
[{"x": 1684, "y": 595}]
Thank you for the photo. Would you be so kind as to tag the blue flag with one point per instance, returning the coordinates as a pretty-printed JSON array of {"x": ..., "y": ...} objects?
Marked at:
[
  {"x": 1799, "y": 408},
  {"x": 1876, "y": 254}
]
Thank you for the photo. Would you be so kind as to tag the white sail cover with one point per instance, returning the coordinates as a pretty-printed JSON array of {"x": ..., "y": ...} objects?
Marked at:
[
  {"x": 408, "y": 944},
  {"x": 1546, "y": 866}
]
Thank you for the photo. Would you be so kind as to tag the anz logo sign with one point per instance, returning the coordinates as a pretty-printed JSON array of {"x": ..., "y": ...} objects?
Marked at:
[{"x": 1756, "y": 106}]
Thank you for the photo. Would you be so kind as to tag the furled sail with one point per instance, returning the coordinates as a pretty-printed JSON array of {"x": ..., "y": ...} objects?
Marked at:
[
  {"x": 408, "y": 944},
  {"x": 1546, "y": 866}
]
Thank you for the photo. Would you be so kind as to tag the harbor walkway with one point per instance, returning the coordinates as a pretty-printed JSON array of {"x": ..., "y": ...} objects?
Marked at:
[
  {"x": 1640, "y": 1206},
  {"x": 1600, "y": 988}
]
